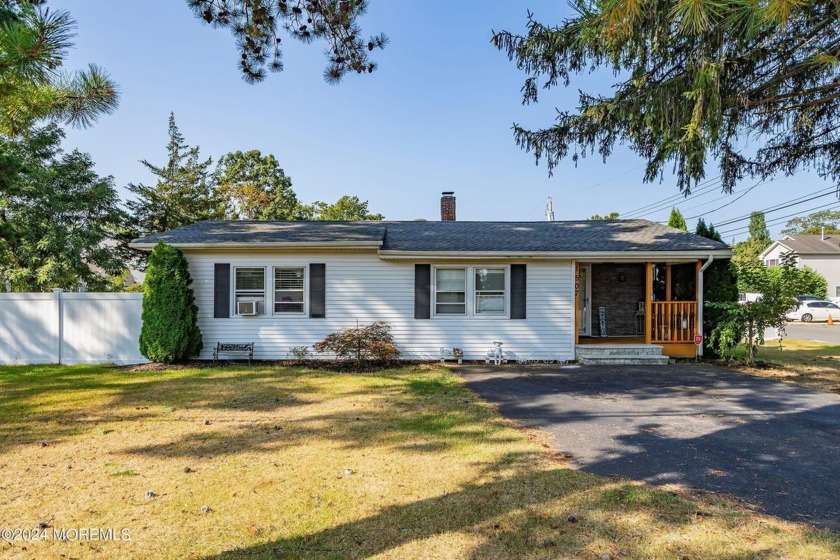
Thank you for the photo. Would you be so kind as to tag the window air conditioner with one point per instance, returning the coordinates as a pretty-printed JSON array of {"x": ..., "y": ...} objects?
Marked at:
[{"x": 247, "y": 308}]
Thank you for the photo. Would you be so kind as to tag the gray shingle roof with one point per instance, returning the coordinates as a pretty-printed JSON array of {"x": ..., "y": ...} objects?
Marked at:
[
  {"x": 419, "y": 236},
  {"x": 813, "y": 244}
]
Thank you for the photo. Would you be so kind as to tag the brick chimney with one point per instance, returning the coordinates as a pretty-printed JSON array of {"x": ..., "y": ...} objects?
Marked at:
[{"x": 447, "y": 207}]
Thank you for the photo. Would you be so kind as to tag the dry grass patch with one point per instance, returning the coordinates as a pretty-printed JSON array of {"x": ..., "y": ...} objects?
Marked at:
[
  {"x": 273, "y": 462},
  {"x": 803, "y": 362}
]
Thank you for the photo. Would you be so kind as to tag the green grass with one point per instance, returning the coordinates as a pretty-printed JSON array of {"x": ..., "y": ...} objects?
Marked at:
[
  {"x": 803, "y": 362},
  {"x": 295, "y": 463}
]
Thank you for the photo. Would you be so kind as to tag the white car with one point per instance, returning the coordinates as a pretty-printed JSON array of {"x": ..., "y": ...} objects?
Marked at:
[{"x": 814, "y": 311}]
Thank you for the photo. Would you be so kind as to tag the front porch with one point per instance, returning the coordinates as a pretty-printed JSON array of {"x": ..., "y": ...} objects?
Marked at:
[{"x": 637, "y": 304}]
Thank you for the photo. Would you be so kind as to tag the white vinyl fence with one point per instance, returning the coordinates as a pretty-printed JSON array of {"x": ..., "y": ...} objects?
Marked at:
[{"x": 70, "y": 328}]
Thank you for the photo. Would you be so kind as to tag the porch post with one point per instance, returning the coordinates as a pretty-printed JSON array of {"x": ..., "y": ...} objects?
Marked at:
[
  {"x": 667, "y": 282},
  {"x": 648, "y": 299},
  {"x": 577, "y": 303}
]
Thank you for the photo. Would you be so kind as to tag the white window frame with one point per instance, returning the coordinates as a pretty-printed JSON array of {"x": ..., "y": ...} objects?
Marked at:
[
  {"x": 305, "y": 310},
  {"x": 466, "y": 270},
  {"x": 470, "y": 293},
  {"x": 505, "y": 292},
  {"x": 234, "y": 291}
]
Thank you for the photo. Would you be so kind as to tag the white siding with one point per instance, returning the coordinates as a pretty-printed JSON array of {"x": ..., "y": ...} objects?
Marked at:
[
  {"x": 361, "y": 287},
  {"x": 828, "y": 266}
]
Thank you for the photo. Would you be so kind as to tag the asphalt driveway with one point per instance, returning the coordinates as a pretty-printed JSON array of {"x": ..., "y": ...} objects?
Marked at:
[{"x": 773, "y": 445}]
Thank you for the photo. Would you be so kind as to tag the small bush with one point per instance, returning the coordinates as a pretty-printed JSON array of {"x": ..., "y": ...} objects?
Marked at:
[
  {"x": 170, "y": 329},
  {"x": 364, "y": 345},
  {"x": 298, "y": 354}
]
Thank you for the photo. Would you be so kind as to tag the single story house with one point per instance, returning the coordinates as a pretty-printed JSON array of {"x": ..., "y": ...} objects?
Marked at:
[
  {"x": 541, "y": 288},
  {"x": 820, "y": 253}
]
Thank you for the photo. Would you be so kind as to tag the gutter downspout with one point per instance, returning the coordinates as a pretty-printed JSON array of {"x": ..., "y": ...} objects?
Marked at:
[{"x": 706, "y": 265}]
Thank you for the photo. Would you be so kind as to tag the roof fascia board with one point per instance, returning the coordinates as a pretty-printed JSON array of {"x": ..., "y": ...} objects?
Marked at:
[
  {"x": 582, "y": 256},
  {"x": 268, "y": 245}
]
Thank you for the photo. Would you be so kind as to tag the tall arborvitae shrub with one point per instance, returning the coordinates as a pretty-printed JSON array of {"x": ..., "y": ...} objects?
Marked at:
[
  {"x": 720, "y": 285},
  {"x": 170, "y": 330}
]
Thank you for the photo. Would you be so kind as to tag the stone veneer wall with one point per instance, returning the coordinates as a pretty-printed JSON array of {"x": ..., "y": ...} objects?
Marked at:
[{"x": 620, "y": 298}]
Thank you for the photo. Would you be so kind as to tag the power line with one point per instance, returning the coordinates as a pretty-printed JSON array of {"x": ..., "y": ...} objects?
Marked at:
[
  {"x": 608, "y": 180},
  {"x": 783, "y": 205},
  {"x": 730, "y": 203},
  {"x": 779, "y": 219},
  {"x": 647, "y": 209}
]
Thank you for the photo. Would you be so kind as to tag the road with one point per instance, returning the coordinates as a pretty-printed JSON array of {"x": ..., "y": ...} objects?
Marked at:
[{"x": 818, "y": 332}]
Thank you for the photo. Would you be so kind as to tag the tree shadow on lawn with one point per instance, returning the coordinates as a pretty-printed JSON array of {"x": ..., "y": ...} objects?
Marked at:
[
  {"x": 524, "y": 515},
  {"x": 49, "y": 403},
  {"x": 397, "y": 411}
]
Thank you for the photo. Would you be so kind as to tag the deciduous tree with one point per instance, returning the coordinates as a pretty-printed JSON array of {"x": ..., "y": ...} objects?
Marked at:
[
  {"x": 610, "y": 216},
  {"x": 827, "y": 221},
  {"x": 58, "y": 219},
  {"x": 345, "y": 209},
  {"x": 256, "y": 187}
]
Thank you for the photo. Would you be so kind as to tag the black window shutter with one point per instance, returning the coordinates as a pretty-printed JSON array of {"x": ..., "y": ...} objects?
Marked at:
[
  {"x": 422, "y": 291},
  {"x": 317, "y": 290},
  {"x": 221, "y": 291},
  {"x": 518, "y": 291}
]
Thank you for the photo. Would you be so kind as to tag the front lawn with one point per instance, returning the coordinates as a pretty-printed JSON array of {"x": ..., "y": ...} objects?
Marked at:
[
  {"x": 803, "y": 362},
  {"x": 293, "y": 463}
]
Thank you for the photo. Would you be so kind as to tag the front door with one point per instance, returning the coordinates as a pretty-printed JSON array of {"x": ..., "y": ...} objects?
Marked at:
[{"x": 584, "y": 300}]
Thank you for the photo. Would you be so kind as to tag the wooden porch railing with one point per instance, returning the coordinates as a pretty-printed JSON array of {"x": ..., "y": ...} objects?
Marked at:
[{"x": 673, "y": 321}]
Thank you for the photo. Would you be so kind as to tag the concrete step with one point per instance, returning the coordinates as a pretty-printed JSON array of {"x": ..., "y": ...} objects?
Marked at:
[
  {"x": 618, "y": 349},
  {"x": 623, "y": 360}
]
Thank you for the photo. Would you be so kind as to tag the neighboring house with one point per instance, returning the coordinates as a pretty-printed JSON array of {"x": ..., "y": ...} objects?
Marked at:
[
  {"x": 536, "y": 286},
  {"x": 820, "y": 253}
]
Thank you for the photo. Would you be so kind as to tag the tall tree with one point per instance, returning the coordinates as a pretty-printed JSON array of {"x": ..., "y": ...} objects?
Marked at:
[
  {"x": 34, "y": 42},
  {"x": 759, "y": 234},
  {"x": 183, "y": 194},
  {"x": 720, "y": 286},
  {"x": 696, "y": 76},
  {"x": 256, "y": 25},
  {"x": 814, "y": 224},
  {"x": 747, "y": 252},
  {"x": 345, "y": 209},
  {"x": 256, "y": 187},
  {"x": 676, "y": 220},
  {"x": 708, "y": 232},
  {"x": 58, "y": 218}
]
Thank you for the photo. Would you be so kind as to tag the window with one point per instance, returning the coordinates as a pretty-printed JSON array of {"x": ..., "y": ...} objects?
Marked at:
[
  {"x": 288, "y": 290},
  {"x": 836, "y": 291},
  {"x": 770, "y": 263},
  {"x": 489, "y": 291},
  {"x": 249, "y": 285},
  {"x": 450, "y": 291}
]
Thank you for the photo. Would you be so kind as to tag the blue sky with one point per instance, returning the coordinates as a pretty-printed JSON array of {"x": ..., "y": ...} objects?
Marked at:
[{"x": 435, "y": 116}]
